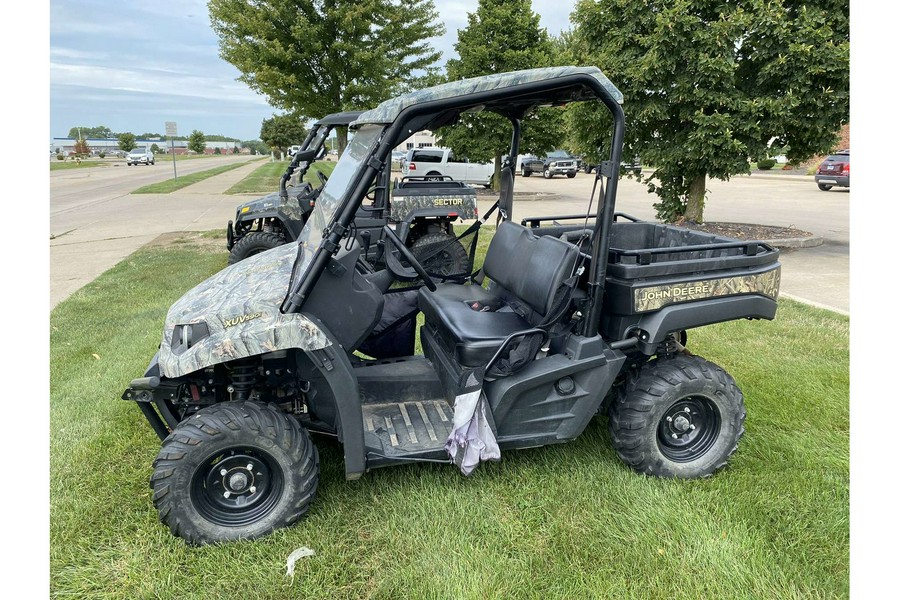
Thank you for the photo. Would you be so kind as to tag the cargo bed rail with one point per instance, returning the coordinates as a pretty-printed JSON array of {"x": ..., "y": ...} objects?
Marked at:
[
  {"x": 644, "y": 256},
  {"x": 536, "y": 221}
]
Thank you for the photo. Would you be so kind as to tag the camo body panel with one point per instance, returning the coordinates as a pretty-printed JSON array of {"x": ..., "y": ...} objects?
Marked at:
[
  {"x": 272, "y": 203},
  {"x": 240, "y": 306},
  {"x": 387, "y": 111},
  {"x": 655, "y": 297},
  {"x": 464, "y": 205}
]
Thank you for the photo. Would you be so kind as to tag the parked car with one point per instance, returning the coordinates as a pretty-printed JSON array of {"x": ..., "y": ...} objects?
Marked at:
[
  {"x": 558, "y": 162},
  {"x": 398, "y": 156},
  {"x": 293, "y": 150},
  {"x": 439, "y": 163},
  {"x": 834, "y": 171},
  {"x": 628, "y": 166},
  {"x": 140, "y": 156}
]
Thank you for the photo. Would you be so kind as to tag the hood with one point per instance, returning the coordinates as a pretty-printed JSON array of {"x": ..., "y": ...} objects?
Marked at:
[
  {"x": 272, "y": 203},
  {"x": 236, "y": 314}
]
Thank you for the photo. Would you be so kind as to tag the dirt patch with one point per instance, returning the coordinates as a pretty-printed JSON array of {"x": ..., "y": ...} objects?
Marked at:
[
  {"x": 205, "y": 240},
  {"x": 747, "y": 231}
]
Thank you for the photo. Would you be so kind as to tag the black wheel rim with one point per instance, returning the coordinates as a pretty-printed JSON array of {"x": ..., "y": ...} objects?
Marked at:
[
  {"x": 238, "y": 486},
  {"x": 441, "y": 264},
  {"x": 689, "y": 428}
]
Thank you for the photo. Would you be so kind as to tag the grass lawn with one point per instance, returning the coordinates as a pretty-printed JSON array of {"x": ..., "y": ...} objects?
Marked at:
[
  {"x": 267, "y": 177},
  {"x": 568, "y": 521},
  {"x": 64, "y": 165},
  {"x": 171, "y": 185}
]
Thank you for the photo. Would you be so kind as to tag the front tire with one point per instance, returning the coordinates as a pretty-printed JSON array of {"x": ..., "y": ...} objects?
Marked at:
[
  {"x": 570, "y": 175},
  {"x": 824, "y": 186},
  {"x": 452, "y": 259},
  {"x": 254, "y": 243},
  {"x": 680, "y": 417},
  {"x": 525, "y": 173},
  {"x": 547, "y": 174},
  {"x": 234, "y": 470}
]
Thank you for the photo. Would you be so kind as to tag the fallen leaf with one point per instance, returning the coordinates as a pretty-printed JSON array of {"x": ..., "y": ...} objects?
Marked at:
[
  {"x": 295, "y": 556},
  {"x": 97, "y": 356},
  {"x": 660, "y": 551}
]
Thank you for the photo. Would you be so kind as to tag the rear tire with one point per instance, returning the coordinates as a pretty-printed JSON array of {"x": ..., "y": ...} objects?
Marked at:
[
  {"x": 254, "y": 243},
  {"x": 452, "y": 259},
  {"x": 525, "y": 173},
  {"x": 824, "y": 186},
  {"x": 270, "y": 465},
  {"x": 433, "y": 176},
  {"x": 680, "y": 417},
  {"x": 570, "y": 175}
]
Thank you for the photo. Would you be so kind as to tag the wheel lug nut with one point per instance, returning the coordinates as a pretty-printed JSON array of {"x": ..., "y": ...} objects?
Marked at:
[
  {"x": 223, "y": 472},
  {"x": 693, "y": 426},
  {"x": 252, "y": 489},
  {"x": 227, "y": 494},
  {"x": 669, "y": 419},
  {"x": 674, "y": 435},
  {"x": 249, "y": 466},
  {"x": 687, "y": 409}
]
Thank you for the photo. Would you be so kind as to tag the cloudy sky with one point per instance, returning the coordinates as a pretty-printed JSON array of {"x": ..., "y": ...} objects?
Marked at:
[{"x": 133, "y": 66}]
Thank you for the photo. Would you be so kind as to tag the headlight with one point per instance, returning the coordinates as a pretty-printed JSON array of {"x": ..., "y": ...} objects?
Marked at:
[
  {"x": 185, "y": 336},
  {"x": 553, "y": 164}
]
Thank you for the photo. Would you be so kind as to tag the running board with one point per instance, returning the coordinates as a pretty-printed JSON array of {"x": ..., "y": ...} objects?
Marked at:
[{"x": 407, "y": 431}]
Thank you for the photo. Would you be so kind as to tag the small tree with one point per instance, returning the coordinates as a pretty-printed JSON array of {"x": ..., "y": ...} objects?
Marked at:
[
  {"x": 82, "y": 148},
  {"x": 197, "y": 142},
  {"x": 217, "y": 151},
  {"x": 154, "y": 149},
  {"x": 235, "y": 149},
  {"x": 282, "y": 131},
  {"x": 127, "y": 141}
]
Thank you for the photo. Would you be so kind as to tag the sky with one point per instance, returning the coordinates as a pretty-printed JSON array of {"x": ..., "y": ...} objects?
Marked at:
[{"x": 133, "y": 66}]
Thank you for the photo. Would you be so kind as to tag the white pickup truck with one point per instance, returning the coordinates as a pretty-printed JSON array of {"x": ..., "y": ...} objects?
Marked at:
[{"x": 440, "y": 162}]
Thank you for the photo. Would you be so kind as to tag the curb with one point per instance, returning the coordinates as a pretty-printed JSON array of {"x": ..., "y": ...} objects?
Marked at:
[
  {"x": 806, "y": 242},
  {"x": 813, "y": 303}
]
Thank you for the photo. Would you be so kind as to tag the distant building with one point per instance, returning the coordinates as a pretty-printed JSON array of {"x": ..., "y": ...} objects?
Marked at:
[{"x": 422, "y": 139}]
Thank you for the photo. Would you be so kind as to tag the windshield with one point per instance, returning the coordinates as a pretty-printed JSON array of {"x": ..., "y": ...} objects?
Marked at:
[
  {"x": 316, "y": 143},
  {"x": 333, "y": 195},
  {"x": 139, "y": 151},
  {"x": 558, "y": 154}
]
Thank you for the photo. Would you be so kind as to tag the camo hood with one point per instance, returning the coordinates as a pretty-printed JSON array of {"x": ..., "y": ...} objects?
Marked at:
[{"x": 236, "y": 314}]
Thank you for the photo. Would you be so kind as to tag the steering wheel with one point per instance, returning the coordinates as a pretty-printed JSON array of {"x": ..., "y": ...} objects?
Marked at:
[
  {"x": 410, "y": 257},
  {"x": 322, "y": 177}
]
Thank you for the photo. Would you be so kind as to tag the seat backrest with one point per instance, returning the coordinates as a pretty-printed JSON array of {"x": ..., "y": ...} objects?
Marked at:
[{"x": 530, "y": 267}]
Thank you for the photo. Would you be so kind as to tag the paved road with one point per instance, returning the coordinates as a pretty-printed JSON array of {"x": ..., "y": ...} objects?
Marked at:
[{"x": 97, "y": 223}]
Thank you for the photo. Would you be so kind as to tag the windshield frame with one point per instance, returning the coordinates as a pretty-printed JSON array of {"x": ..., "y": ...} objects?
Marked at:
[{"x": 337, "y": 202}]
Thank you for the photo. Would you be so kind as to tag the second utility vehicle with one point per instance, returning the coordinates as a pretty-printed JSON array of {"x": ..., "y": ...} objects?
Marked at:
[
  {"x": 584, "y": 314},
  {"x": 423, "y": 210}
]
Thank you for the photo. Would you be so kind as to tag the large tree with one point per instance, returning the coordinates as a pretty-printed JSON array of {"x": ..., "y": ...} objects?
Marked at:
[
  {"x": 282, "y": 131},
  {"x": 710, "y": 85},
  {"x": 316, "y": 57},
  {"x": 83, "y": 133},
  {"x": 502, "y": 35}
]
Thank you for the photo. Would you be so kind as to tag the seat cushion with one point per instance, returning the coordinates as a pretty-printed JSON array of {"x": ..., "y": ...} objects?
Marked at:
[{"x": 473, "y": 337}]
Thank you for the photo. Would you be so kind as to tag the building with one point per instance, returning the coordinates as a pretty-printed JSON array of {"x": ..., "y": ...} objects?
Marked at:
[
  {"x": 422, "y": 139},
  {"x": 110, "y": 145}
]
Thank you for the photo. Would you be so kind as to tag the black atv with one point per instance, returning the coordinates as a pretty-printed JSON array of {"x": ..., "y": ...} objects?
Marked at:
[
  {"x": 424, "y": 211},
  {"x": 583, "y": 315}
]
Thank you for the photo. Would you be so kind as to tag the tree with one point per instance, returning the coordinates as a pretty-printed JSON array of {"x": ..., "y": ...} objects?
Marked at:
[
  {"x": 217, "y": 150},
  {"x": 502, "y": 35},
  {"x": 83, "y": 133},
  {"x": 282, "y": 131},
  {"x": 154, "y": 149},
  {"x": 197, "y": 142},
  {"x": 81, "y": 147},
  {"x": 127, "y": 141},
  {"x": 316, "y": 58},
  {"x": 235, "y": 149},
  {"x": 256, "y": 146},
  {"x": 709, "y": 85}
]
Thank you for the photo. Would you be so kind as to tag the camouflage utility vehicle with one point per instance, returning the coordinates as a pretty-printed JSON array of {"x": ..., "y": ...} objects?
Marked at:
[
  {"x": 423, "y": 211},
  {"x": 583, "y": 315}
]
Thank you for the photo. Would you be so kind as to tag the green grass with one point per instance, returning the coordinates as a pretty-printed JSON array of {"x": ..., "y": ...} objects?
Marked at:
[
  {"x": 267, "y": 177},
  {"x": 61, "y": 165},
  {"x": 171, "y": 185},
  {"x": 568, "y": 521}
]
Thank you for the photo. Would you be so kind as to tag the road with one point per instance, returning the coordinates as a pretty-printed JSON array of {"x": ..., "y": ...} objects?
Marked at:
[{"x": 96, "y": 223}]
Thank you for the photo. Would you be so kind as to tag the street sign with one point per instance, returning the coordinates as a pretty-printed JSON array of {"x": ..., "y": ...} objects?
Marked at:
[{"x": 171, "y": 132}]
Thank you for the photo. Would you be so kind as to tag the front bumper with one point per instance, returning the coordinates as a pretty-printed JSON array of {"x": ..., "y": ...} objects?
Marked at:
[
  {"x": 562, "y": 170},
  {"x": 838, "y": 180}
]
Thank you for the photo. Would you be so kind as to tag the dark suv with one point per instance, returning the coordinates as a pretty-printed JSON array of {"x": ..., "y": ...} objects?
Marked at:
[{"x": 834, "y": 171}]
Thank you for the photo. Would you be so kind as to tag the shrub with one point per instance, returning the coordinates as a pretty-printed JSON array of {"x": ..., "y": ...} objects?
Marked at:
[
  {"x": 765, "y": 164},
  {"x": 102, "y": 155},
  {"x": 60, "y": 156}
]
